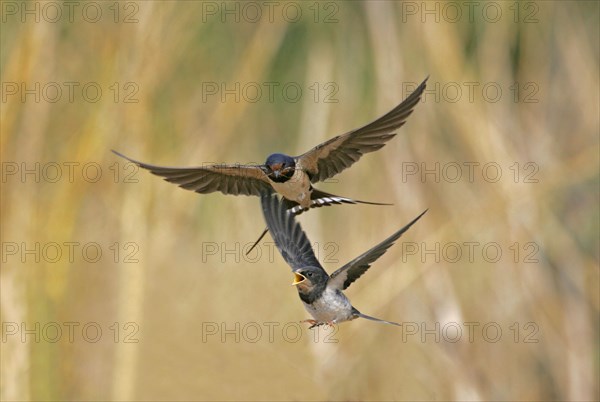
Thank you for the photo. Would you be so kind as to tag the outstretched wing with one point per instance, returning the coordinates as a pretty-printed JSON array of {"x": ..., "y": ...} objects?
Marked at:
[
  {"x": 228, "y": 179},
  {"x": 331, "y": 157},
  {"x": 343, "y": 277},
  {"x": 289, "y": 237}
]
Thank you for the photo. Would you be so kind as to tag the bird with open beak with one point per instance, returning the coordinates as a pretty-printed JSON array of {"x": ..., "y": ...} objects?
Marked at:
[{"x": 321, "y": 294}]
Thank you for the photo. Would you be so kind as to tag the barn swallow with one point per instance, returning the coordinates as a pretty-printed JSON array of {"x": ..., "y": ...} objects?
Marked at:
[
  {"x": 320, "y": 293},
  {"x": 292, "y": 176}
]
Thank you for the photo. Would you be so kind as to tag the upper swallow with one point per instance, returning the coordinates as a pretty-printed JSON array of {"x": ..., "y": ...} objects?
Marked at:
[
  {"x": 292, "y": 176},
  {"x": 320, "y": 293}
]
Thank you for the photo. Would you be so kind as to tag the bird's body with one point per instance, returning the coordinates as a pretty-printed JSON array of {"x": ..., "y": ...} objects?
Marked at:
[
  {"x": 297, "y": 189},
  {"x": 321, "y": 294},
  {"x": 332, "y": 306}
]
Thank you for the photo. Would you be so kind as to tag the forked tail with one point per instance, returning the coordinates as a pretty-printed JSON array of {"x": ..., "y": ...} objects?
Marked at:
[
  {"x": 368, "y": 317},
  {"x": 320, "y": 198}
]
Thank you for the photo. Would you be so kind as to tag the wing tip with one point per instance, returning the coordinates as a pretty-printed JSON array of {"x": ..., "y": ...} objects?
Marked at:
[
  {"x": 416, "y": 219},
  {"x": 126, "y": 157},
  {"x": 114, "y": 151}
]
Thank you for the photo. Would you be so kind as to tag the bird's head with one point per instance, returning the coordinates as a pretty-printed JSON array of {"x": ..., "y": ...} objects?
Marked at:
[
  {"x": 310, "y": 279},
  {"x": 279, "y": 167}
]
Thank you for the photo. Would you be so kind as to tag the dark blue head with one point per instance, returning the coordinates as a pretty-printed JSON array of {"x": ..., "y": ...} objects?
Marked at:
[{"x": 279, "y": 167}]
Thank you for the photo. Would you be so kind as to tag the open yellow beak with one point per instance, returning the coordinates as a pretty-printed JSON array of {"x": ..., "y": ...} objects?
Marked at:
[{"x": 298, "y": 278}]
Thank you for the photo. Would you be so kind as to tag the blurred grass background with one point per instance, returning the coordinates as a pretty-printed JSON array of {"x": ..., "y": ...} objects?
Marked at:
[{"x": 370, "y": 51}]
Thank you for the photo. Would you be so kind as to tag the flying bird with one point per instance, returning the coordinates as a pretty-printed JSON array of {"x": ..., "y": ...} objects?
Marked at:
[
  {"x": 321, "y": 294},
  {"x": 293, "y": 176}
]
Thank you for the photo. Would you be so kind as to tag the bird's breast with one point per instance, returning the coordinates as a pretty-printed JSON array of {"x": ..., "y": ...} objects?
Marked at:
[
  {"x": 333, "y": 305},
  {"x": 296, "y": 189}
]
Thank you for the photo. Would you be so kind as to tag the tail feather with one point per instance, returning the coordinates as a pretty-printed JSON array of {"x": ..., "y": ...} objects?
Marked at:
[
  {"x": 323, "y": 199},
  {"x": 368, "y": 317}
]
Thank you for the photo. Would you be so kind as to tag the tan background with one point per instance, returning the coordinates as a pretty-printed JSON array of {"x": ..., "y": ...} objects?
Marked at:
[{"x": 543, "y": 126}]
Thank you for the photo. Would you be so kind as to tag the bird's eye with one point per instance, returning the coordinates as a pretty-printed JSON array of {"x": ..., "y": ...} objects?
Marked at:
[{"x": 309, "y": 273}]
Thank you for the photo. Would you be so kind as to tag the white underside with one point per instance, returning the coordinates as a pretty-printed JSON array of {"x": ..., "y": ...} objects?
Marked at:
[{"x": 330, "y": 307}]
